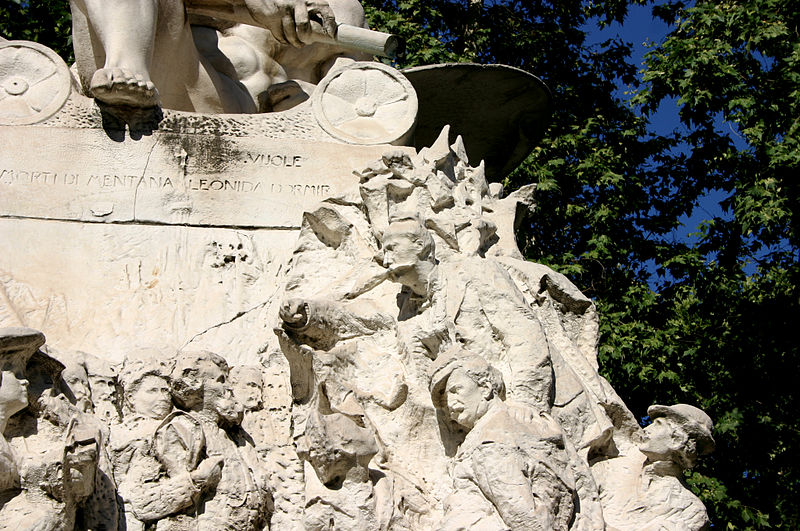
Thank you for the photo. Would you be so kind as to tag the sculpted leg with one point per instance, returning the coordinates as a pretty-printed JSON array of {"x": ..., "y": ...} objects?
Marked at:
[{"x": 125, "y": 32}]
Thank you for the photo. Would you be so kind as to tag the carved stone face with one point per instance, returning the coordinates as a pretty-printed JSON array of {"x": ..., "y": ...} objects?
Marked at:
[
  {"x": 81, "y": 466},
  {"x": 663, "y": 440},
  {"x": 13, "y": 392},
  {"x": 219, "y": 398},
  {"x": 78, "y": 382},
  {"x": 402, "y": 251},
  {"x": 152, "y": 398},
  {"x": 202, "y": 379},
  {"x": 217, "y": 394},
  {"x": 466, "y": 400},
  {"x": 248, "y": 388},
  {"x": 103, "y": 387}
]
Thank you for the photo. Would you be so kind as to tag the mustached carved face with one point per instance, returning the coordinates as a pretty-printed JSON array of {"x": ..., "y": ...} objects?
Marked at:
[
  {"x": 400, "y": 250},
  {"x": 663, "y": 439},
  {"x": 466, "y": 400}
]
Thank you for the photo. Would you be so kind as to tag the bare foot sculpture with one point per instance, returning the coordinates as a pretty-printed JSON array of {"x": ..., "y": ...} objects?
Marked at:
[
  {"x": 117, "y": 86},
  {"x": 124, "y": 49}
]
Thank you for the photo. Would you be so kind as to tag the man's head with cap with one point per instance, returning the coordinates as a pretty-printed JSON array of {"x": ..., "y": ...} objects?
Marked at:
[
  {"x": 17, "y": 345},
  {"x": 680, "y": 433}
]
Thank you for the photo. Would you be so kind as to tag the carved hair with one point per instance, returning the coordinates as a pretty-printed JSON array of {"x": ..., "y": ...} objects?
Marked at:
[
  {"x": 475, "y": 367},
  {"x": 133, "y": 381},
  {"x": 487, "y": 377},
  {"x": 187, "y": 385},
  {"x": 140, "y": 364}
]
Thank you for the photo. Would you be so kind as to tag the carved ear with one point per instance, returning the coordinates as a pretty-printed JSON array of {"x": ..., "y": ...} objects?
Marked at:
[
  {"x": 488, "y": 393},
  {"x": 685, "y": 453},
  {"x": 689, "y": 453}
]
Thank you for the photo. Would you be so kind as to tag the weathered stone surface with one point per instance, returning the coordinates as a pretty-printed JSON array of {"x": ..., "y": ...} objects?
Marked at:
[
  {"x": 350, "y": 340},
  {"x": 170, "y": 179}
]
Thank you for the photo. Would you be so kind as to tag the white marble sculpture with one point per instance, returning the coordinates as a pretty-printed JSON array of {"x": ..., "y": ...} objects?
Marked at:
[
  {"x": 419, "y": 265},
  {"x": 645, "y": 489},
  {"x": 223, "y": 60},
  {"x": 241, "y": 498},
  {"x": 153, "y": 489},
  {"x": 508, "y": 474},
  {"x": 50, "y": 451},
  {"x": 435, "y": 381},
  {"x": 288, "y": 317}
]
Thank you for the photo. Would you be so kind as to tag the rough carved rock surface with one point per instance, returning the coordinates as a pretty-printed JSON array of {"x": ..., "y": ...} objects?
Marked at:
[
  {"x": 420, "y": 375},
  {"x": 381, "y": 359}
]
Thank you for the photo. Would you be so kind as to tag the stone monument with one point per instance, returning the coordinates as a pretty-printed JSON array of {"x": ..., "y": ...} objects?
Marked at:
[{"x": 280, "y": 289}]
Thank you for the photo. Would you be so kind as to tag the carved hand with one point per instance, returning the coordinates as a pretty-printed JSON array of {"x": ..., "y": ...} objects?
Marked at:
[
  {"x": 294, "y": 312},
  {"x": 208, "y": 472},
  {"x": 290, "y": 21}
]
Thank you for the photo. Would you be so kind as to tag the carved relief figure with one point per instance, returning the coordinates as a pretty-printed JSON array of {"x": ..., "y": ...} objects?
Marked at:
[
  {"x": 645, "y": 490},
  {"x": 49, "y": 467},
  {"x": 469, "y": 300},
  {"x": 15, "y": 349},
  {"x": 341, "y": 491},
  {"x": 76, "y": 384},
  {"x": 248, "y": 389},
  {"x": 507, "y": 474},
  {"x": 100, "y": 509},
  {"x": 157, "y": 481},
  {"x": 444, "y": 288},
  {"x": 241, "y": 499},
  {"x": 103, "y": 384}
]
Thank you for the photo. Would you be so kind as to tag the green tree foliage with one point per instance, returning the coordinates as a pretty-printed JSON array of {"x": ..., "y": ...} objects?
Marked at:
[
  {"x": 705, "y": 320},
  {"x": 734, "y": 67},
  {"x": 44, "y": 21}
]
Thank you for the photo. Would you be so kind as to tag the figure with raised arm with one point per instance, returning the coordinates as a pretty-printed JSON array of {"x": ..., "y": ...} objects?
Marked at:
[{"x": 49, "y": 455}]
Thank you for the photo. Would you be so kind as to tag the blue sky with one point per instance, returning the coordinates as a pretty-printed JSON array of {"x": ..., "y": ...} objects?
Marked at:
[{"x": 642, "y": 31}]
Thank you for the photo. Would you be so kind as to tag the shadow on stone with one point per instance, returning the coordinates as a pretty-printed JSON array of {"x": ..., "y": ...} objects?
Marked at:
[{"x": 138, "y": 121}]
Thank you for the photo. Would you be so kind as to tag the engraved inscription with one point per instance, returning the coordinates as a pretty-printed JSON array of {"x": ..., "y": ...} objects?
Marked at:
[
  {"x": 171, "y": 179},
  {"x": 10, "y": 176},
  {"x": 301, "y": 189},
  {"x": 23, "y": 177},
  {"x": 13, "y": 177},
  {"x": 276, "y": 160},
  {"x": 216, "y": 185}
]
